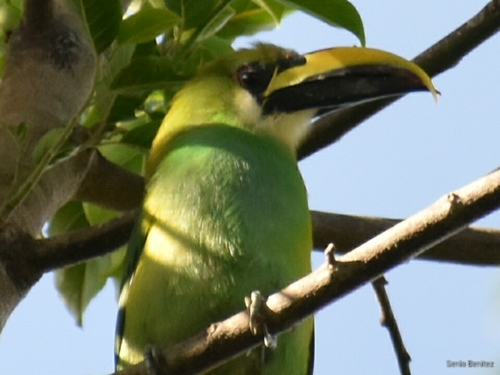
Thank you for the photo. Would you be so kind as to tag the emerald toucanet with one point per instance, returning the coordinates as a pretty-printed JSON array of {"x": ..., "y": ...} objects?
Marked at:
[{"x": 225, "y": 211}]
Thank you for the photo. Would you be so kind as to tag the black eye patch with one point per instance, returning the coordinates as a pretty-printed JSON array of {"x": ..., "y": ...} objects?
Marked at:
[
  {"x": 255, "y": 77},
  {"x": 290, "y": 61}
]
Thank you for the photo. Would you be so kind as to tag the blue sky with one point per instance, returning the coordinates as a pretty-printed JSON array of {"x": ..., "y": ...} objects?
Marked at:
[{"x": 395, "y": 164}]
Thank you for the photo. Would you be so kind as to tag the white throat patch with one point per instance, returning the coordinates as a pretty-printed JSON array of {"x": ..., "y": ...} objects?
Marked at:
[{"x": 288, "y": 128}]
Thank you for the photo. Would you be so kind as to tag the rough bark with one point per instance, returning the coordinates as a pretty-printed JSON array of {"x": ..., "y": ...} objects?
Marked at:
[{"x": 48, "y": 77}]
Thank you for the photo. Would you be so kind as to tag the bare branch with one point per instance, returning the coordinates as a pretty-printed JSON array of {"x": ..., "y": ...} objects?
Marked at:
[
  {"x": 349, "y": 231},
  {"x": 440, "y": 57},
  {"x": 346, "y": 231},
  {"x": 83, "y": 245},
  {"x": 327, "y": 284},
  {"x": 472, "y": 246},
  {"x": 47, "y": 77},
  {"x": 25, "y": 259},
  {"x": 109, "y": 185},
  {"x": 388, "y": 320}
]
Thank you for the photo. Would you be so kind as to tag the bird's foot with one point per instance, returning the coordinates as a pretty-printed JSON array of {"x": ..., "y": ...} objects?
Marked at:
[
  {"x": 155, "y": 361},
  {"x": 259, "y": 313}
]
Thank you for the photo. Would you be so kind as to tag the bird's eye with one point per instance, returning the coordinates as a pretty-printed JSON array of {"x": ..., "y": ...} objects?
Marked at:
[{"x": 255, "y": 77}]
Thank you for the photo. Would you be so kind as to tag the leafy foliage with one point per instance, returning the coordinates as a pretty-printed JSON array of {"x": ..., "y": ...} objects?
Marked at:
[
  {"x": 103, "y": 21},
  {"x": 146, "y": 55},
  {"x": 338, "y": 13}
]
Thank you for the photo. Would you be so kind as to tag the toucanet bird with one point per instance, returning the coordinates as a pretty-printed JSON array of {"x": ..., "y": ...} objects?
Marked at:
[{"x": 225, "y": 211}]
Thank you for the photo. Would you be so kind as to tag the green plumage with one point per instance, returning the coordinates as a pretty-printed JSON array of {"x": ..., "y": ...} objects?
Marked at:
[
  {"x": 225, "y": 214},
  {"x": 225, "y": 211}
]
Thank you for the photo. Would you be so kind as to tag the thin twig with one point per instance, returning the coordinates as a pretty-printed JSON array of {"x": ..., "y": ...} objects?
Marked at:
[{"x": 388, "y": 320}]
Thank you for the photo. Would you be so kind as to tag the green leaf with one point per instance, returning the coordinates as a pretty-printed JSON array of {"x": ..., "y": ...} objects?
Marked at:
[
  {"x": 199, "y": 19},
  {"x": 103, "y": 20},
  {"x": 146, "y": 49},
  {"x": 195, "y": 13},
  {"x": 79, "y": 284},
  {"x": 340, "y": 13},
  {"x": 97, "y": 214},
  {"x": 124, "y": 155},
  {"x": 123, "y": 107},
  {"x": 10, "y": 16},
  {"x": 217, "y": 23},
  {"x": 146, "y": 73},
  {"x": 248, "y": 23},
  {"x": 143, "y": 135},
  {"x": 253, "y": 17},
  {"x": 46, "y": 143},
  {"x": 69, "y": 217},
  {"x": 146, "y": 25},
  {"x": 104, "y": 99},
  {"x": 68, "y": 280},
  {"x": 275, "y": 9},
  {"x": 213, "y": 48}
]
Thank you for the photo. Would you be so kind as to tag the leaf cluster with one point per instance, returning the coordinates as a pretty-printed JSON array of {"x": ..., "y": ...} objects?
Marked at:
[{"x": 147, "y": 49}]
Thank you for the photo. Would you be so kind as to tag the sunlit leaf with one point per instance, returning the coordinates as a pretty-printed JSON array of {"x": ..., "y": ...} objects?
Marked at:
[
  {"x": 124, "y": 155},
  {"x": 214, "y": 48},
  {"x": 146, "y": 24},
  {"x": 339, "y": 13},
  {"x": 248, "y": 23},
  {"x": 253, "y": 17},
  {"x": 10, "y": 16},
  {"x": 146, "y": 73},
  {"x": 272, "y": 7},
  {"x": 217, "y": 23},
  {"x": 98, "y": 215},
  {"x": 195, "y": 12}
]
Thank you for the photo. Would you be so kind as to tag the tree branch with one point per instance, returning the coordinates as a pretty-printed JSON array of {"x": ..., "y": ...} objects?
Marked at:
[
  {"x": 348, "y": 232},
  {"x": 85, "y": 244},
  {"x": 440, "y": 57},
  {"x": 334, "y": 280},
  {"x": 120, "y": 190},
  {"x": 48, "y": 76},
  {"x": 388, "y": 320}
]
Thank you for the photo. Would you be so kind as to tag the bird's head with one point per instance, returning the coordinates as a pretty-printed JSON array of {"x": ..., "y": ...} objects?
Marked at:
[{"x": 275, "y": 91}]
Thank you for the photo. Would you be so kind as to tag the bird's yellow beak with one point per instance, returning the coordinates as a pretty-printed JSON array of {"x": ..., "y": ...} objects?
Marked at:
[{"x": 345, "y": 76}]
